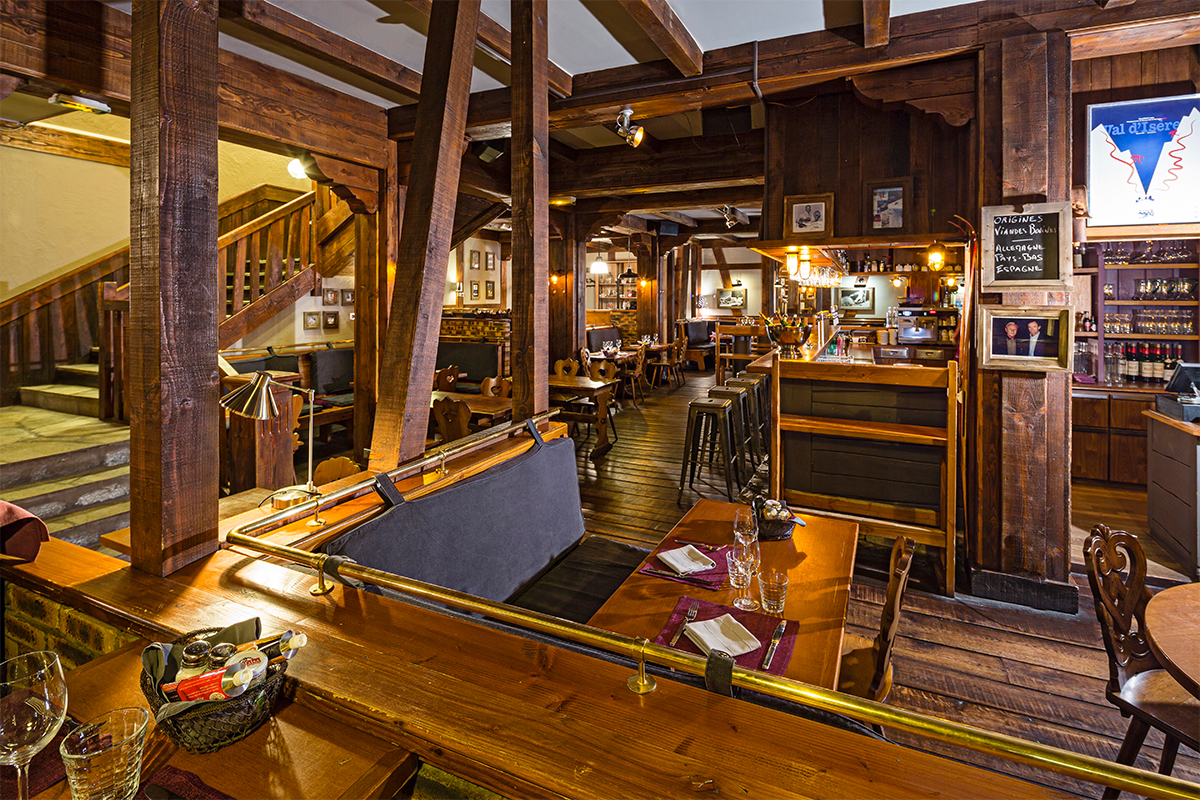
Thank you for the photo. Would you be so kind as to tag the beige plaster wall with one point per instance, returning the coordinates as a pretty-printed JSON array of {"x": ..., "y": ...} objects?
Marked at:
[{"x": 58, "y": 213}]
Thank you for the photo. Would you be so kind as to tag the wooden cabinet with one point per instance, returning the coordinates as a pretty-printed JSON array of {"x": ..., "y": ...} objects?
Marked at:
[
  {"x": 1172, "y": 490},
  {"x": 1108, "y": 436}
]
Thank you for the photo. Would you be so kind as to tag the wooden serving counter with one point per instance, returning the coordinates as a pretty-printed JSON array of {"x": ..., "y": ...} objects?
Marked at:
[{"x": 1172, "y": 487}]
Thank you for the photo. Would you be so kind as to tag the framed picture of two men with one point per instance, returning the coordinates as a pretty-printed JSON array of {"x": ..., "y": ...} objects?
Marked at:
[{"x": 1025, "y": 338}]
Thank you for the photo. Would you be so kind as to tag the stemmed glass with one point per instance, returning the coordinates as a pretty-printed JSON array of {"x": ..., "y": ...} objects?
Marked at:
[
  {"x": 744, "y": 527},
  {"x": 33, "y": 704},
  {"x": 743, "y": 559}
]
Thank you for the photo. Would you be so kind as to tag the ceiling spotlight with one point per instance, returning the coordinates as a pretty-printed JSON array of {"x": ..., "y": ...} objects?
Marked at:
[
  {"x": 631, "y": 133},
  {"x": 79, "y": 103},
  {"x": 731, "y": 219}
]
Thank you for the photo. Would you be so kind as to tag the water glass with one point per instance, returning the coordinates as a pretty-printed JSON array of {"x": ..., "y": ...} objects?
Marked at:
[
  {"x": 741, "y": 572},
  {"x": 103, "y": 756},
  {"x": 33, "y": 704},
  {"x": 772, "y": 588}
]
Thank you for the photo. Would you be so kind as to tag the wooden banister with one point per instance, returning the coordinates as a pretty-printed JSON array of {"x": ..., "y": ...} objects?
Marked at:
[{"x": 258, "y": 223}]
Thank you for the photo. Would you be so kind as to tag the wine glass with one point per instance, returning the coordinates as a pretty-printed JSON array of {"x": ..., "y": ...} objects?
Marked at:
[
  {"x": 744, "y": 527},
  {"x": 744, "y": 559},
  {"x": 33, "y": 704}
]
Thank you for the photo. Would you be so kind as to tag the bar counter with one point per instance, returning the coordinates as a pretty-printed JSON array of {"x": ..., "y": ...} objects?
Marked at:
[{"x": 1171, "y": 488}]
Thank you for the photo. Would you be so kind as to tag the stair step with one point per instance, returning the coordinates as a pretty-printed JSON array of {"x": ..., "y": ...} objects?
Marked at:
[
  {"x": 85, "y": 527},
  {"x": 59, "y": 496},
  {"x": 78, "y": 374},
  {"x": 94, "y": 355},
  {"x": 81, "y": 400},
  {"x": 41, "y": 445}
]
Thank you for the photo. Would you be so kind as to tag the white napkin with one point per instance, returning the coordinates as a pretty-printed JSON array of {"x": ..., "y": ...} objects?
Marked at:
[
  {"x": 686, "y": 560},
  {"x": 723, "y": 633}
]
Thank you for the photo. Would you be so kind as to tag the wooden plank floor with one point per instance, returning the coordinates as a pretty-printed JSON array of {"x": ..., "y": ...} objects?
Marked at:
[{"x": 1035, "y": 674}]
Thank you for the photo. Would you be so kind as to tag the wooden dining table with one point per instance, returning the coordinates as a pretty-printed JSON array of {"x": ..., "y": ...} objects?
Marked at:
[
  {"x": 573, "y": 387},
  {"x": 819, "y": 561},
  {"x": 480, "y": 405},
  {"x": 1173, "y": 633}
]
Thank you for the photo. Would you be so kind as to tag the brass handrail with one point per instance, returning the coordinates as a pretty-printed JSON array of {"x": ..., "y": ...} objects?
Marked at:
[
  {"x": 436, "y": 455},
  {"x": 1011, "y": 748}
]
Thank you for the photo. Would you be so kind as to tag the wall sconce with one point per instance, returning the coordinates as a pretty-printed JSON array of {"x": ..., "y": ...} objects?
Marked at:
[
  {"x": 554, "y": 279},
  {"x": 897, "y": 281},
  {"x": 950, "y": 281},
  {"x": 296, "y": 169},
  {"x": 936, "y": 256},
  {"x": 632, "y": 134},
  {"x": 644, "y": 283}
]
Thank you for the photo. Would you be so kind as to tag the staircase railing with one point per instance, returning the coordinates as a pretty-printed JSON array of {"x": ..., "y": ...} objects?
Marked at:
[{"x": 265, "y": 266}]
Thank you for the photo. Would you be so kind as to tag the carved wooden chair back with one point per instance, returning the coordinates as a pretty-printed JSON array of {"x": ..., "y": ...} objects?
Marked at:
[
  {"x": 332, "y": 469},
  {"x": 496, "y": 387},
  {"x": 603, "y": 371},
  {"x": 566, "y": 368},
  {"x": 446, "y": 380},
  {"x": 1116, "y": 568},
  {"x": 452, "y": 418},
  {"x": 889, "y": 622}
]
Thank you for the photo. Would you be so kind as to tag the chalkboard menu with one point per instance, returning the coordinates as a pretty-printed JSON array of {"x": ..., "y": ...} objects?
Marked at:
[{"x": 1027, "y": 248}]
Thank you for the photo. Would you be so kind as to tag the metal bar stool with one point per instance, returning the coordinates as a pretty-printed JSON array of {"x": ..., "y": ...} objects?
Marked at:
[
  {"x": 745, "y": 425},
  {"x": 763, "y": 392},
  {"x": 757, "y": 419},
  {"x": 700, "y": 411}
]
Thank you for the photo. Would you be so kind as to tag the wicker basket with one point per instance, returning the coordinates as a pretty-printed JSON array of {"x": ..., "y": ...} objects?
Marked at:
[{"x": 209, "y": 727}]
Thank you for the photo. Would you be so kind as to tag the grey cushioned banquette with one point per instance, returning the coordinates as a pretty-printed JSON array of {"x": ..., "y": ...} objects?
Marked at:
[{"x": 596, "y": 338}]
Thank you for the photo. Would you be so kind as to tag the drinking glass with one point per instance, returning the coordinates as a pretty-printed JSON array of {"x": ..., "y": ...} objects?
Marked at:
[
  {"x": 33, "y": 704},
  {"x": 744, "y": 527},
  {"x": 103, "y": 756},
  {"x": 743, "y": 563},
  {"x": 772, "y": 588}
]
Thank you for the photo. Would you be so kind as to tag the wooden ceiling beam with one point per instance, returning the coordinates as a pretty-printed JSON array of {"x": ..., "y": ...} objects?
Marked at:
[
  {"x": 70, "y": 144},
  {"x": 743, "y": 196},
  {"x": 787, "y": 63},
  {"x": 313, "y": 40},
  {"x": 659, "y": 22},
  {"x": 496, "y": 38},
  {"x": 877, "y": 18},
  {"x": 677, "y": 217},
  {"x": 476, "y": 223}
]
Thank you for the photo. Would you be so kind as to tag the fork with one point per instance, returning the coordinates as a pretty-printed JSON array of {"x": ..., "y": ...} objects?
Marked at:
[{"x": 690, "y": 617}]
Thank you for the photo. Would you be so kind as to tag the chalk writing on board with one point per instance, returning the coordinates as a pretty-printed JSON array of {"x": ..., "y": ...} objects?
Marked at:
[{"x": 1026, "y": 246}]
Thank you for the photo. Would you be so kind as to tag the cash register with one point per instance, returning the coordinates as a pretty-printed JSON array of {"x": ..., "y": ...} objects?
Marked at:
[{"x": 1182, "y": 398}]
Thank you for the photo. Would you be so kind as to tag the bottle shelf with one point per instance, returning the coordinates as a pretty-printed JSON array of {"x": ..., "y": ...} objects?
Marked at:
[
  {"x": 1154, "y": 303},
  {"x": 1088, "y": 335},
  {"x": 1148, "y": 337}
]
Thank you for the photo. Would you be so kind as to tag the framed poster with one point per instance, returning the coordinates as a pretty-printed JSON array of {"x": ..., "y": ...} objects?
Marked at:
[
  {"x": 312, "y": 320},
  {"x": 347, "y": 297},
  {"x": 1027, "y": 248},
  {"x": 888, "y": 205},
  {"x": 489, "y": 289},
  {"x": 807, "y": 216},
  {"x": 489, "y": 260},
  {"x": 329, "y": 297},
  {"x": 474, "y": 259},
  {"x": 331, "y": 320},
  {"x": 474, "y": 290},
  {"x": 856, "y": 299},
  {"x": 1027, "y": 338},
  {"x": 1143, "y": 162}
]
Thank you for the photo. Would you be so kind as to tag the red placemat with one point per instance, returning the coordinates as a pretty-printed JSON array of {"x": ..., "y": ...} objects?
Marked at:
[
  {"x": 179, "y": 783},
  {"x": 45, "y": 770},
  {"x": 717, "y": 576},
  {"x": 761, "y": 626}
]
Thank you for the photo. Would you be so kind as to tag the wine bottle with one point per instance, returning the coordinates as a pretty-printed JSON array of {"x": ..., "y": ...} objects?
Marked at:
[{"x": 1159, "y": 364}]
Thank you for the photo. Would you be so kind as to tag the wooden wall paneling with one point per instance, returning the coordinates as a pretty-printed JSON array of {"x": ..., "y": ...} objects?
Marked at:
[
  {"x": 560, "y": 338},
  {"x": 847, "y": 201},
  {"x": 647, "y": 268},
  {"x": 531, "y": 208},
  {"x": 173, "y": 324},
  {"x": 410, "y": 346},
  {"x": 921, "y": 152}
]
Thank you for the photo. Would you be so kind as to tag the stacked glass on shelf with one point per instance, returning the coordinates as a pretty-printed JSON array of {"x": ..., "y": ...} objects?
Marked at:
[
  {"x": 1164, "y": 289},
  {"x": 1163, "y": 323},
  {"x": 1140, "y": 363},
  {"x": 1166, "y": 252}
]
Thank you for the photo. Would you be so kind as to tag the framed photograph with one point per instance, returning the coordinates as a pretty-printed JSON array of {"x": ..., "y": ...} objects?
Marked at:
[
  {"x": 731, "y": 298},
  {"x": 474, "y": 290},
  {"x": 331, "y": 320},
  {"x": 1026, "y": 248},
  {"x": 474, "y": 259},
  {"x": 489, "y": 289},
  {"x": 889, "y": 205},
  {"x": 312, "y": 320},
  {"x": 489, "y": 260},
  {"x": 329, "y": 297},
  {"x": 856, "y": 299},
  {"x": 808, "y": 216},
  {"x": 1026, "y": 338},
  {"x": 347, "y": 297}
]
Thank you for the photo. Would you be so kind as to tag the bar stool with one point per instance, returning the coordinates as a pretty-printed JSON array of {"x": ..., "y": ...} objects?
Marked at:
[
  {"x": 743, "y": 438},
  {"x": 704, "y": 410},
  {"x": 757, "y": 418},
  {"x": 763, "y": 392}
]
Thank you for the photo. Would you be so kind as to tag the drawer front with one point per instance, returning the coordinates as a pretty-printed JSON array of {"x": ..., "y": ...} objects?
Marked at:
[
  {"x": 1089, "y": 412},
  {"x": 1089, "y": 455},
  {"x": 1173, "y": 443},
  {"x": 1126, "y": 457},
  {"x": 1127, "y": 414}
]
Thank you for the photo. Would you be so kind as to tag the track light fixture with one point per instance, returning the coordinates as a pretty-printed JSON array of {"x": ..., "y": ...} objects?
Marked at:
[
  {"x": 731, "y": 219},
  {"x": 631, "y": 133}
]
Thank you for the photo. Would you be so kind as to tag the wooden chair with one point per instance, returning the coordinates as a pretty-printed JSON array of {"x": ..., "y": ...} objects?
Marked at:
[
  {"x": 633, "y": 377},
  {"x": 668, "y": 364},
  {"x": 679, "y": 350},
  {"x": 1137, "y": 684},
  {"x": 452, "y": 418},
  {"x": 566, "y": 368},
  {"x": 866, "y": 670},
  {"x": 332, "y": 469},
  {"x": 496, "y": 387},
  {"x": 603, "y": 371},
  {"x": 446, "y": 380}
]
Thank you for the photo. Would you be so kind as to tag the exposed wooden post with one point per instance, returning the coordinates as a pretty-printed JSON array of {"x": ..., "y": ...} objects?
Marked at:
[
  {"x": 647, "y": 269},
  {"x": 568, "y": 315},
  {"x": 770, "y": 268},
  {"x": 876, "y": 22},
  {"x": 531, "y": 209},
  {"x": 173, "y": 389},
  {"x": 368, "y": 281},
  {"x": 695, "y": 260},
  {"x": 410, "y": 346}
]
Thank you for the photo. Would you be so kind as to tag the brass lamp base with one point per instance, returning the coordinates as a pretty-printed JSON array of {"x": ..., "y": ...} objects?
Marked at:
[{"x": 291, "y": 496}]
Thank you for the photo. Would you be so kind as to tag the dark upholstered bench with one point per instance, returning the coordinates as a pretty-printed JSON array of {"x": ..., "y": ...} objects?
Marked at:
[
  {"x": 596, "y": 338},
  {"x": 331, "y": 375},
  {"x": 698, "y": 333},
  {"x": 265, "y": 363},
  {"x": 478, "y": 360}
]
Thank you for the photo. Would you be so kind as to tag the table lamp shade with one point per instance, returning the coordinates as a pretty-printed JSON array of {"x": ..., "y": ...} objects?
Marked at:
[{"x": 254, "y": 399}]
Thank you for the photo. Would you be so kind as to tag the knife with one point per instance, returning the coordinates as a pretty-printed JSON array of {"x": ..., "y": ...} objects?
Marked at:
[
  {"x": 775, "y": 637},
  {"x": 662, "y": 573}
]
